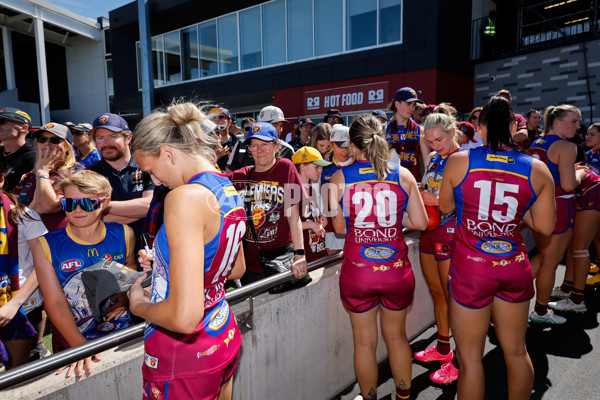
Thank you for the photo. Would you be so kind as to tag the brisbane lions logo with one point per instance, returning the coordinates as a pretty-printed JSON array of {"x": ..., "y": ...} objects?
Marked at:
[{"x": 103, "y": 119}]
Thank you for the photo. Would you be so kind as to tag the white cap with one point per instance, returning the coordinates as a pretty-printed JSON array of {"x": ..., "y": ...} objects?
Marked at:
[
  {"x": 340, "y": 135},
  {"x": 271, "y": 114}
]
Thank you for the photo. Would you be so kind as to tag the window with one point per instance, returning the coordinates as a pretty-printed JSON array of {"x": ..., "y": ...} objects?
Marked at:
[
  {"x": 250, "y": 38},
  {"x": 299, "y": 29},
  {"x": 208, "y": 48},
  {"x": 109, "y": 77},
  {"x": 172, "y": 57},
  {"x": 361, "y": 23},
  {"x": 328, "y": 27},
  {"x": 189, "y": 53},
  {"x": 228, "y": 44},
  {"x": 389, "y": 21},
  {"x": 274, "y": 33},
  {"x": 158, "y": 61}
]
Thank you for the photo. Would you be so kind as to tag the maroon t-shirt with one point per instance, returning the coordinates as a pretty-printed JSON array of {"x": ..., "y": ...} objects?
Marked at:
[
  {"x": 314, "y": 245},
  {"x": 270, "y": 192}
]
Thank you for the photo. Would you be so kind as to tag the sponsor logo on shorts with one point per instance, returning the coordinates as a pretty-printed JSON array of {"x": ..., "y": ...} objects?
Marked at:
[
  {"x": 156, "y": 392},
  {"x": 520, "y": 257},
  {"x": 219, "y": 317},
  {"x": 450, "y": 230},
  {"x": 71, "y": 265},
  {"x": 151, "y": 362},
  {"x": 476, "y": 259},
  {"x": 210, "y": 351},
  {"x": 497, "y": 247},
  {"x": 398, "y": 264},
  {"x": 502, "y": 263},
  {"x": 383, "y": 268},
  {"x": 378, "y": 253},
  {"x": 230, "y": 336},
  {"x": 441, "y": 247}
]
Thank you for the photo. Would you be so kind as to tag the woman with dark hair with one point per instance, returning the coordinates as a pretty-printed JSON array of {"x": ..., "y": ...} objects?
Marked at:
[
  {"x": 371, "y": 200},
  {"x": 553, "y": 148},
  {"x": 493, "y": 188},
  {"x": 473, "y": 119},
  {"x": 532, "y": 119}
]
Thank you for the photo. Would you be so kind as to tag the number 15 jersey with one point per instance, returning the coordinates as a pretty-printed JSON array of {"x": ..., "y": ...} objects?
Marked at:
[{"x": 490, "y": 203}]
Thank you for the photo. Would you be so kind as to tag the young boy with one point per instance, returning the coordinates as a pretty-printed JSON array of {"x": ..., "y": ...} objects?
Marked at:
[{"x": 61, "y": 256}]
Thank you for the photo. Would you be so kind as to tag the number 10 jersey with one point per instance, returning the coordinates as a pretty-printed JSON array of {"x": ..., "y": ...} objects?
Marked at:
[{"x": 490, "y": 203}]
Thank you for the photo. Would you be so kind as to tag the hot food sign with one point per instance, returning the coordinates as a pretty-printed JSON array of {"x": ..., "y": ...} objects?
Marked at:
[{"x": 347, "y": 98}]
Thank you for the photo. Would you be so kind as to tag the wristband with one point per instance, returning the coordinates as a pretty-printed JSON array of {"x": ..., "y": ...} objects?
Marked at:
[
  {"x": 42, "y": 177},
  {"x": 299, "y": 252}
]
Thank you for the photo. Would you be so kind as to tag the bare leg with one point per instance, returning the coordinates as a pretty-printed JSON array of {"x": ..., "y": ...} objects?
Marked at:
[
  {"x": 393, "y": 328},
  {"x": 470, "y": 327},
  {"x": 225, "y": 392},
  {"x": 365, "y": 332},
  {"x": 19, "y": 350},
  {"x": 436, "y": 287},
  {"x": 552, "y": 248},
  {"x": 510, "y": 323},
  {"x": 586, "y": 227}
]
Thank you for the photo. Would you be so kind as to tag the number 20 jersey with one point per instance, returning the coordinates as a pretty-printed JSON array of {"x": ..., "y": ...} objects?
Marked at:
[
  {"x": 217, "y": 339},
  {"x": 375, "y": 247},
  {"x": 490, "y": 203}
]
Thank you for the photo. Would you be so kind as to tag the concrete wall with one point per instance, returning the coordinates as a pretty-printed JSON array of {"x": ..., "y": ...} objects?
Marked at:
[
  {"x": 300, "y": 343},
  {"x": 549, "y": 77}
]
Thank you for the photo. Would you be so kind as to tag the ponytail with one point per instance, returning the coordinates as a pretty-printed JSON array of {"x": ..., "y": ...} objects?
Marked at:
[{"x": 366, "y": 133}]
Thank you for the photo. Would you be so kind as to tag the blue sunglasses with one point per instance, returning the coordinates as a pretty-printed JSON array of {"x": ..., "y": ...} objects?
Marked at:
[{"x": 87, "y": 204}]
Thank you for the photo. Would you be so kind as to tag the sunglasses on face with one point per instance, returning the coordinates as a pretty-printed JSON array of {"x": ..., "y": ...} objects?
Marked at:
[
  {"x": 3, "y": 121},
  {"x": 53, "y": 139},
  {"x": 87, "y": 204},
  {"x": 220, "y": 117},
  {"x": 247, "y": 129}
]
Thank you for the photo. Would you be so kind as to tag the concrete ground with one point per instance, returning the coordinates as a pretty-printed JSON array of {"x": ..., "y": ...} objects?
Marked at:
[{"x": 565, "y": 360}]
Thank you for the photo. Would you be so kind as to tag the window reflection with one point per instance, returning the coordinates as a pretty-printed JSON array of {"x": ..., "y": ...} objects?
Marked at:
[
  {"x": 274, "y": 32},
  {"x": 172, "y": 57},
  {"x": 361, "y": 23},
  {"x": 300, "y": 29},
  {"x": 208, "y": 48},
  {"x": 228, "y": 48},
  {"x": 328, "y": 27},
  {"x": 157, "y": 60},
  {"x": 189, "y": 53},
  {"x": 250, "y": 38},
  {"x": 389, "y": 21}
]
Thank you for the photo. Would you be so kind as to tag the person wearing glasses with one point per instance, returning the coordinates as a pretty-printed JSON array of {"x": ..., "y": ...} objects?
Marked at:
[
  {"x": 240, "y": 157},
  {"x": 55, "y": 160},
  {"x": 273, "y": 191},
  {"x": 333, "y": 116},
  {"x": 222, "y": 118},
  {"x": 132, "y": 187},
  {"x": 86, "y": 152},
  {"x": 61, "y": 256},
  {"x": 15, "y": 150},
  {"x": 192, "y": 341},
  {"x": 473, "y": 119}
]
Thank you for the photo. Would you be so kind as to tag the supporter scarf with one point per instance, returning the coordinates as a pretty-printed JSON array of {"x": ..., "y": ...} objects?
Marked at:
[{"x": 9, "y": 251}]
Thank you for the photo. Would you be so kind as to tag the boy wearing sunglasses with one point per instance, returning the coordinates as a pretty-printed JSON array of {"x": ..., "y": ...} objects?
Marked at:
[{"x": 61, "y": 256}]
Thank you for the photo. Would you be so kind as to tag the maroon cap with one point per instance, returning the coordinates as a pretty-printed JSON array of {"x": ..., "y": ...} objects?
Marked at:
[
  {"x": 429, "y": 109},
  {"x": 468, "y": 129}
]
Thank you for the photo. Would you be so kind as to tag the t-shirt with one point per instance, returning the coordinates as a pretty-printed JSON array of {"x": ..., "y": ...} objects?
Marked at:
[
  {"x": 21, "y": 162},
  {"x": 30, "y": 227},
  {"x": 268, "y": 193},
  {"x": 242, "y": 157},
  {"x": 127, "y": 184},
  {"x": 405, "y": 145},
  {"x": 90, "y": 158}
]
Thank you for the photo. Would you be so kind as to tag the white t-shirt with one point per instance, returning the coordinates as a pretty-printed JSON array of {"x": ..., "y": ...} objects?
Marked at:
[{"x": 30, "y": 227}]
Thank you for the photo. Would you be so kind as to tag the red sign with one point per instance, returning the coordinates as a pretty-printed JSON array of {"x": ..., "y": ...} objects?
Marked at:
[{"x": 369, "y": 96}]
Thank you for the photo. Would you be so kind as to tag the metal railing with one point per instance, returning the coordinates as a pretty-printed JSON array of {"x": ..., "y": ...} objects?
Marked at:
[{"x": 36, "y": 368}]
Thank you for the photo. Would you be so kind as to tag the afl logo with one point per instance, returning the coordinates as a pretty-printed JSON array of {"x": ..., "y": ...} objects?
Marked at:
[
  {"x": 106, "y": 257},
  {"x": 49, "y": 126},
  {"x": 103, "y": 119},
  {"x": 256, "y": 128},
  {"x": 497, "y": 247},
  {"x": 71, "y": 265},
  {"x": 378, "y": 253},
  {"x": 258, "y": 217}
]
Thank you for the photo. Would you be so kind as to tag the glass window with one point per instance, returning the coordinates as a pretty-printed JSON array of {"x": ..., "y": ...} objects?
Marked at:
[
  {"x": 389, "y": 20},
  {"x": 228, "y": 44},
  {"x": 189, "y": 53},
  {"x": 300, "y": 29},
  {"x": 138, "y": 52},
  {"x": 208, "y": 48},
  {"x": 274, "y": 32},
  {"x": 109, "y": 77},
  {"x": 361, "y": 23},
  {"x": 328, "y": 27},
  {"x": 158, "y": 61},
  {"x": 250, "y": 38},
  {"x": 172, "y": 57}
]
